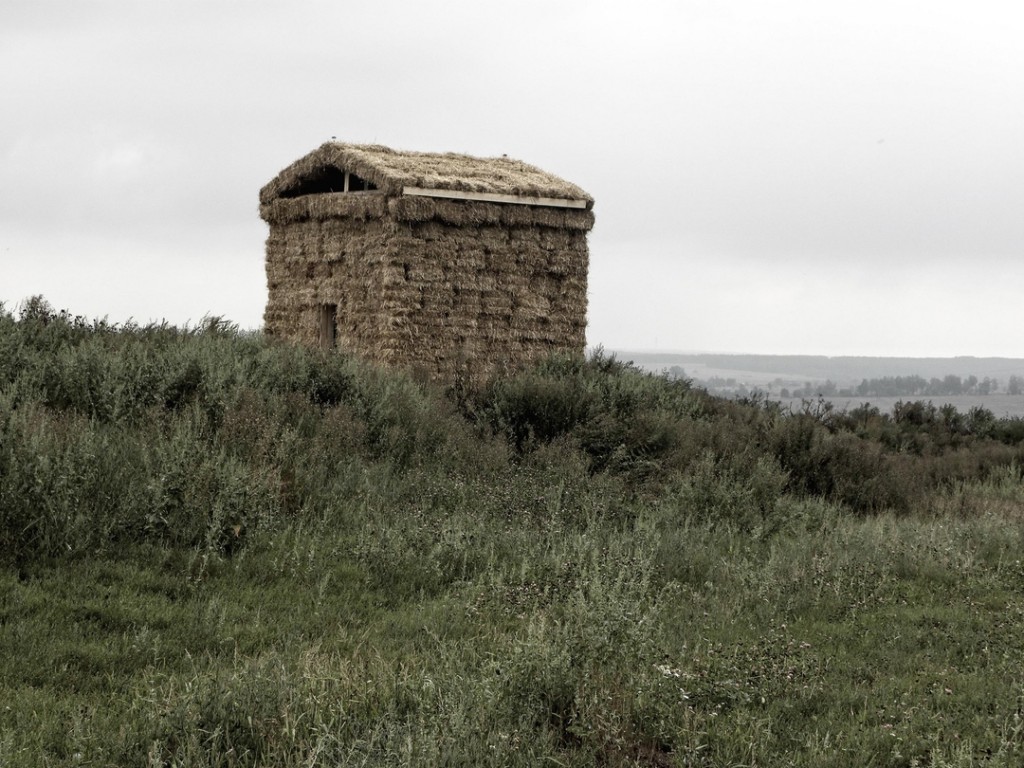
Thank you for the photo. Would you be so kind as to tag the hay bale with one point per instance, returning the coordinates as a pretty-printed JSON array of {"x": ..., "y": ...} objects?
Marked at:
[{"x": 486, "y": 271}]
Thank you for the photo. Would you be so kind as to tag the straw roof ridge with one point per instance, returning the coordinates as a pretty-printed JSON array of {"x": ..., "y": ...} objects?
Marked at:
[{"x": 390, "y": 170}]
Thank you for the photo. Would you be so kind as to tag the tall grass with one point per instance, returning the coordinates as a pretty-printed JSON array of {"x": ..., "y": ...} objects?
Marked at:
[{"x": 218, "y": 551}]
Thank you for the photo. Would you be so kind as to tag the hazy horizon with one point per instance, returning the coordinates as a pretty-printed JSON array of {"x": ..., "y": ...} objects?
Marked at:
[{"x": 705, "y": 352}]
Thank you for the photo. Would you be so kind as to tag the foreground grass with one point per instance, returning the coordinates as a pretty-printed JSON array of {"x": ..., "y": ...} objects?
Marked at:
[
  {"x": 859, "y": 642},
  {"x": 216, "y": 553}
]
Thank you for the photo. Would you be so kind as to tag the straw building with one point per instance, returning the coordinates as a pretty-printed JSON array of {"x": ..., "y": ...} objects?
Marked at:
[{"x": 442, "y": 263}]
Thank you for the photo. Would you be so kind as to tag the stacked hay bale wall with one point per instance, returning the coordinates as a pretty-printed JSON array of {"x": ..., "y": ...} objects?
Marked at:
[
  {"x": 335, "y": 259},
  {"x": 441, "y": 286}
]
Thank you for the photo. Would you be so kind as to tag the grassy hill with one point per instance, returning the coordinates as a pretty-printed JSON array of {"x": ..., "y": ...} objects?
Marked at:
[{"x": 216, "y": 551}]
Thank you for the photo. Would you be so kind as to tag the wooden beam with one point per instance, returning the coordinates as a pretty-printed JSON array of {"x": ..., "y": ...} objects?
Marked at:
[{"x": 492, "y": 197}]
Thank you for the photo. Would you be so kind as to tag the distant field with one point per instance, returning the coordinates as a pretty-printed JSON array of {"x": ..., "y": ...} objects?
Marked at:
[
  {"x": 761, "y": 369},
  {"x": 749, "y": 378},
  {"x": 772, "y": 372}
]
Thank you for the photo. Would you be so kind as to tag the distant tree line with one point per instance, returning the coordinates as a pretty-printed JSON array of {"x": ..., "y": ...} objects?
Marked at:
[
  {"x": 912, "y": 386},
  {"x": 886, "y": 386}
]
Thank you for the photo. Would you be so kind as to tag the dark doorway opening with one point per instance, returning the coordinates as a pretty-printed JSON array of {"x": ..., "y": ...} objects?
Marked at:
[{"x": 328, "y": 326}]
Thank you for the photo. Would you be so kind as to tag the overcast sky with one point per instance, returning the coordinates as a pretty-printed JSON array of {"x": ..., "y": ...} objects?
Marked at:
[{"x": 795, "y": 176}]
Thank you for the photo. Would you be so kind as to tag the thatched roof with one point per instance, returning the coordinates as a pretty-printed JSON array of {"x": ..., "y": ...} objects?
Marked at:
[{"x": 396, "y": 173}]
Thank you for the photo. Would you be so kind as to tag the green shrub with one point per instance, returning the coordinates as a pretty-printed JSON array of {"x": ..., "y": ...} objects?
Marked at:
[
  {"x": 722, "y": 493},
  {"x": 536, "y": 407}
]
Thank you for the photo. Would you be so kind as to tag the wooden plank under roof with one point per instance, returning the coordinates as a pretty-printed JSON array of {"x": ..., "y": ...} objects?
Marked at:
[{"x": 493, "y": 197}]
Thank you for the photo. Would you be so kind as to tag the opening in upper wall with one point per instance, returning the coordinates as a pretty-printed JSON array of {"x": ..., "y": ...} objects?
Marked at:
[{"x": 329, "y": 179}]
